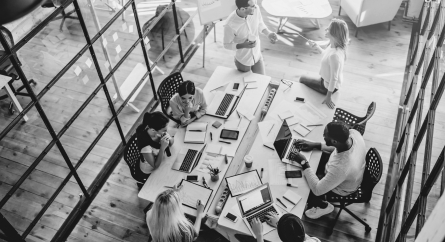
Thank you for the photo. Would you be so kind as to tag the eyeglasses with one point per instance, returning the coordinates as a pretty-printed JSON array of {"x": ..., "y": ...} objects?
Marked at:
[{"x": 287, "y": 83}]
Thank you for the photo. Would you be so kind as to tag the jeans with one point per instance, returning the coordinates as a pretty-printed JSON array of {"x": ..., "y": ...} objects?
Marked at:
[
  {"x": 256, "y": 68},
  {"x": 320, "y": 201},
  {"x": 315, "y": 83}
]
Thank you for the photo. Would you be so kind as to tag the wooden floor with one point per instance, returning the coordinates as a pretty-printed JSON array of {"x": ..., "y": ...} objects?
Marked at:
[{"x": 373, "y": 72}]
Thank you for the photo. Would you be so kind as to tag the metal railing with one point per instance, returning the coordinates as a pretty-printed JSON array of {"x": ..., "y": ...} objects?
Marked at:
[
  {"x": 88, "y": 194},
  {"x": 423, "y": 64}
]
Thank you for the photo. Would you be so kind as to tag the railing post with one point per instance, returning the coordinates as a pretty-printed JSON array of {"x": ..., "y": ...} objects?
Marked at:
[{"x": 177, "y": 30}]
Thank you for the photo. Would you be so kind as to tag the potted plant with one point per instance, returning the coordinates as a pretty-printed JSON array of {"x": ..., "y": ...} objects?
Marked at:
[{"x": 214, "y": 173}]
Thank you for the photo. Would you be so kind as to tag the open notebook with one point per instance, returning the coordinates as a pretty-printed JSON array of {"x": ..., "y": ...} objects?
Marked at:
[{"x": 196, "y": 133}]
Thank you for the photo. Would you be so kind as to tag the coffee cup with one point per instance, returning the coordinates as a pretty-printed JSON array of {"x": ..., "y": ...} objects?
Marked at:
[{"x": 248, "y": 159}]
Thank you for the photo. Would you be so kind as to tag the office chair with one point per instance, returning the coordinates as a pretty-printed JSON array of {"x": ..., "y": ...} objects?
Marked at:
[
  {"x": 7, "y": 69},
  {"x": 354, "y": 122},
  {"x": 371, "y": 176},
  {"x": 50, "y": 4},
  {"x": 132, "y": 157},
  {"x": 166, "y": 90}
]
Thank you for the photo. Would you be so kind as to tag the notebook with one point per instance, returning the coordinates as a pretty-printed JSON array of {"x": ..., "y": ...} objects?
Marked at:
[
  {"x": 196, "y": 133},
  {"x": 290, "y": 199}
]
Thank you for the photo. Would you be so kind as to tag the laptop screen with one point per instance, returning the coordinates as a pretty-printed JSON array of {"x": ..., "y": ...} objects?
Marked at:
[
  {"x": 282, "y": 139},
  {"x": 255, "y": 199}
]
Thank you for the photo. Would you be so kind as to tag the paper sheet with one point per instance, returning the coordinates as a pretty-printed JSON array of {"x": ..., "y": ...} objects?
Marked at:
[
  {"x": 302, "y": 130},
  {"x": 276, "y": 172},
  {"x": 308, "y": 114},
  {"x": 292, "y": 196},
  {"x": 244, "y": 182},
  {"x": 268, "y": 131},
  {"x": 191, "y": 192},
  {"x": 214, "y": 149},
  {"x": 249, "y": 79},
  {"x": 213, "y": 160},
  {"x": 252, "y": 85},
  {"x": 285, "y": 114}
]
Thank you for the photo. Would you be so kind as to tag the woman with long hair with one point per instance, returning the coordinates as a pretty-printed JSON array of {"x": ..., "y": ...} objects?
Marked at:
[
  {"x": 166, "y": 220},
  {"x": 332, "y": 62},
  {"x": 153, "y": 140},
  {"x": 188, "y": 104}
]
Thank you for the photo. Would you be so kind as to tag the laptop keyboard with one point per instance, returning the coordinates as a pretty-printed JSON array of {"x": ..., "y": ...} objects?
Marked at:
[
  {"x": 262, "y": 215},
  {"x": 222, "y": 109},
  {"x": 293, "y": 149},
  {"x": 188, "y": 160}
]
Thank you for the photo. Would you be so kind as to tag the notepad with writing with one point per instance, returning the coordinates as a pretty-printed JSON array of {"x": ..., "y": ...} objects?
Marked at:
[
  {"x": 290, "y": 199},
  {"x": 191, "y": 192},
  {"x": 196, "y": 133}
]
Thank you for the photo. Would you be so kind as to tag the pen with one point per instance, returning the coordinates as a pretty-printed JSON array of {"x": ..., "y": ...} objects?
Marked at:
[
  {"x": 262, "y": 169},
  {"x": 270, "y": 129},
  {"x": 290, "y": 185},
  {"x": 281, "y": 202},
  {"x": 238, "y": 114},
  {"x": 225, "y": 158},
  {"x": 289, "y": 200},
  {"x": 225, "y": 142},
  {"x": 267, "y": 146},
  {"x": 239, "y": 122},
  {"x": 314, "y": 125},
  {"x": 211, "y": 136},
  {"x": 204, "y": 182}
]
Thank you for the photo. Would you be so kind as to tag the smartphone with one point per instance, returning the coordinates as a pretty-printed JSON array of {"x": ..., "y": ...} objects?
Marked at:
[
  {"x": 229, "y": 134},
  {"x": 293, "y": 174},
  {"x": 231, "y": 217},
  {"x": 192, "y": 178},
  {"x": 299, "y": 99},
  {"x": 235, "y": 86}
]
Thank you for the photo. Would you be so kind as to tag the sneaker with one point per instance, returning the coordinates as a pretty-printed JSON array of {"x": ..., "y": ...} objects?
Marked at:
[{"x": 316, "y": 212}]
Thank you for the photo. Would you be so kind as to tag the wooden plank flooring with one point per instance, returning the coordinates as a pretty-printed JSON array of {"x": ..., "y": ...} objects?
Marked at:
[{"x": 373, "y": 72}]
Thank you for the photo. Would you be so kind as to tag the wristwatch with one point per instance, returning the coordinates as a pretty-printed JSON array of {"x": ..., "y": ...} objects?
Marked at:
[{"x": 304, "y": 164}]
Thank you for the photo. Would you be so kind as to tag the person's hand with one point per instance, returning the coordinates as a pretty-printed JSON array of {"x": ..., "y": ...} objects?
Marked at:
[
  {"x": 177, "y": 187},
  {"x": 164, "y": 142},
  {"x": 167, "y": 135},
  {"x": 273, "y": 37},
  {"x": 188, "y": 108},
  {"x": 312, "y": 44},
  {"x": 199, "y": 207},
  {"x": 185, "y": 123},
  {"x": 306, "y": 145},
  {"x": 257, "y": 227},
  {"x": 247, "y": 44},
  {"x": 328, "y": 101},
  {"x": 297, "y": 156},
  {"x": 272, "y": 219}
]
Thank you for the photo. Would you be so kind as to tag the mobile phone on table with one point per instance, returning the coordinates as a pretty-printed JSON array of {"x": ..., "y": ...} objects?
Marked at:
[
  {"x": 231, "y": 217},
  {"x": 299, "y": 99},
  {"x": 235, "y": 86},
  {"x": 293, "y": 174},
  {"x": 192, "y": 178},
  {"x": 229, "y": 134}
]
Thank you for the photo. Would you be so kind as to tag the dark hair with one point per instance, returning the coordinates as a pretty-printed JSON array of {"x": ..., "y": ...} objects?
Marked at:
[
  {"x": 338, "y": 131},
  {"x": 187, "y": 87},
  {"x": 155, "y": 120},
  {"x": 290, "y": 228},
  {"x": 242, "y": 3}
]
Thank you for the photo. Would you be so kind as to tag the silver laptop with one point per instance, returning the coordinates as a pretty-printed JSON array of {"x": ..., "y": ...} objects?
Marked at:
[
  {"x": 224, "y": 104},
  {"x": 187, "y": 161},
  {"x": 256, "y": 204}
]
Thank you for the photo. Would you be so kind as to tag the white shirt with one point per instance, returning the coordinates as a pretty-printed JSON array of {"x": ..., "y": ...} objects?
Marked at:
[
  {"x": 331, "y": 69},
  {"x": 237, "y": 31}
]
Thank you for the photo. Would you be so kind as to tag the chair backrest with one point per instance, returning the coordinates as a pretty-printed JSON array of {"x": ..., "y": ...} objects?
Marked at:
[
  {"x": 166, "y": 90},
  {"x": 132, "y": 157},
  {"x": 373, "y": 173}
]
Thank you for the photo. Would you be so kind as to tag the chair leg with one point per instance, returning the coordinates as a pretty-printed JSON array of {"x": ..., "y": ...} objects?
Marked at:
[
  {"x": 339, "y": 11},
  {"x": 389, "y": 25},
  {"x": 367, "y": 227},
  {"x": 336, "y": 219}
]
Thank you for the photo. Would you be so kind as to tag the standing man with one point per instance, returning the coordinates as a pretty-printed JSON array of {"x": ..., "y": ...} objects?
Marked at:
[{"x": 241, "y": 33}]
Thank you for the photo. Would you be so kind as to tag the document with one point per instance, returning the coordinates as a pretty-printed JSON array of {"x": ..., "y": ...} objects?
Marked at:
[
  {"x": 268, "y": 131},
  {"x": 196, "y": 133},
  {"x": 191, "y": 192},
  {"x": 290, "y": 199},
  {"x": 285, "y": 114},
  {"x": 213, "y": 160},
  {"x": 243, "y": 182},
  {"x": 307, "y": 113},
  {"x": 276, "y": 172}
]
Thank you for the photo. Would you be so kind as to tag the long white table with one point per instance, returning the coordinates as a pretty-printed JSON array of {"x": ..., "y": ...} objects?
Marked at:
[
  {"x": 262, "y": 154},
  {"x": 220, "y": 80}
]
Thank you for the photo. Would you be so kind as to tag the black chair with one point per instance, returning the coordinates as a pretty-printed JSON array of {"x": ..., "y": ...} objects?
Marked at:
[
  {"x": 132, "y": 157},
  {"x": 50, "y": 4},
  {"x": 166, "y": 90},
  {"x": 7, "y": 69},
  {"x": 371, "y": 176},
  {"x": 354, "y": 122}
]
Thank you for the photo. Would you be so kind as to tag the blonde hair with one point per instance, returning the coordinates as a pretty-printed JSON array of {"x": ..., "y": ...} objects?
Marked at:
[
  {"x": 166, "y": 220},
  {"x": 338, "y": 29}
]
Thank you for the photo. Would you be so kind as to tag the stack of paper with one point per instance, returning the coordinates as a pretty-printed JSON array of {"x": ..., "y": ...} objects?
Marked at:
[
  {"x": 268, "y": 130},
  {"x": 250, "y": 81},
  {"x": 289, "y": 199},
  {"x": 196, "y": 133}
]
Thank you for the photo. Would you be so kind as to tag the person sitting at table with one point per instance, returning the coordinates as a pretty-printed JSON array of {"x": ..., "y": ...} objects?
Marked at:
[
  {"x": 153, "y": 139},
  {"x": 289, "y": 227},
  {"x": 340, "y": 173},
  {"x": 332, "y": 62},
  {"x": 166, "y": 220},
  {"x": 188, "y": 104}
]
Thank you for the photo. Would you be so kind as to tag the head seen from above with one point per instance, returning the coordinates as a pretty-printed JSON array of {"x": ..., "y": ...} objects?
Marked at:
[
  {"x": 186, "y": 91},
  {"x": 155, "y": 123},
  {"x": 246, "y": 7},
  {"x": 290, "y": 228},
  {"x": 338, "y": 33},
  {"x": 336, "y": 134},
  {"x": 166, "y": 219}
]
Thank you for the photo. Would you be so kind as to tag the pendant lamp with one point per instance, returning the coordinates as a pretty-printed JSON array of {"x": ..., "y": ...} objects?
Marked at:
[{"x": 11, "y": 10}]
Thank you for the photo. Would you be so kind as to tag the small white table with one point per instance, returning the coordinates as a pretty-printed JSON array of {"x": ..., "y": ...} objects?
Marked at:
[
  {"x": 262, "y": 154},
  {"x": 4, "y": 84},
  {"x": 310, "y": 9}
]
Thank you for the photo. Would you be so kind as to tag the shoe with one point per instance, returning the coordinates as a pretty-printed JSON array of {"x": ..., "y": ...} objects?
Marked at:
[{"x": 317, "y": 212}]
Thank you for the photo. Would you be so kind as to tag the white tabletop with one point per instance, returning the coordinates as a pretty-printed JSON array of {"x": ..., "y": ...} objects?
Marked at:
[
  {"x": 4, "y": 80},
  {"x": 165, "y": 176},
  {"x": 313, "y": 9},
  {"x": 262, "y": 155}
]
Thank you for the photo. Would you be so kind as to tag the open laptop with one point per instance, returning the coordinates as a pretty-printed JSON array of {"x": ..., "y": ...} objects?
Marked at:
[
  {"x": 187, "y": 161},
  {"x": 256, "y": 204},
  {"x": 285, "y": 144},
  {"x": 224, "y": 104}
]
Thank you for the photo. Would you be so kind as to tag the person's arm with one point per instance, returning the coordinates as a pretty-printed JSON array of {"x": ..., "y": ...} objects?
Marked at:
[
  {"x": 331, "y": 180},
  {"x": 262, "y": 28},
  {"x": 334, "y": 76},
  {"x": 150, "y": 158},
  {"x": 202, "y": 103},
  {"x": 200, "y": 215},
  {"x": 178, "y": 113},
  {"x": 327, "y": 149},
  {"x": 229, "y": 37}
]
